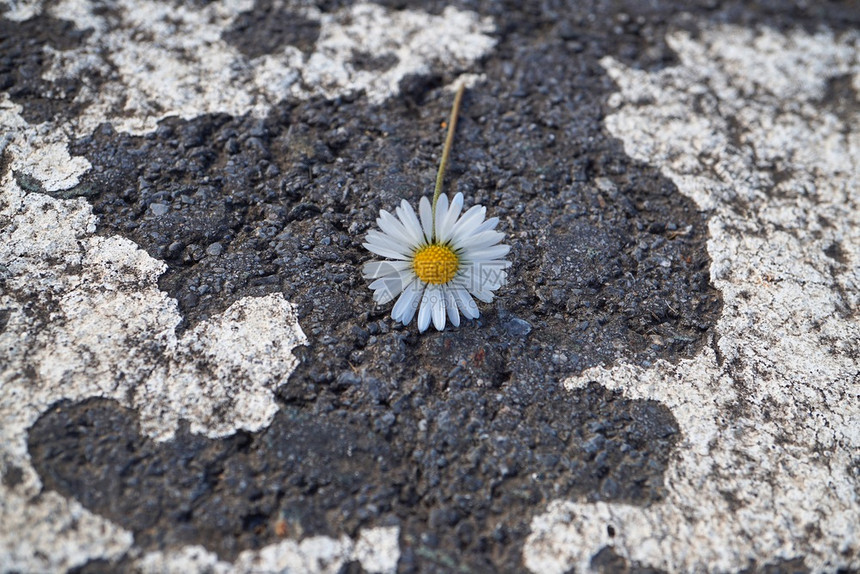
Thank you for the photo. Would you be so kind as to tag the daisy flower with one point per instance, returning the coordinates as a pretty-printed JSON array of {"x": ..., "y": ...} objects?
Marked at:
[{"x": 438, "y": 264}]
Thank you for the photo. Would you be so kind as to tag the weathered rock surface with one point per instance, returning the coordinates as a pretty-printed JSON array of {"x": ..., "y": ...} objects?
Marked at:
[{"x": 194, "y": 376}]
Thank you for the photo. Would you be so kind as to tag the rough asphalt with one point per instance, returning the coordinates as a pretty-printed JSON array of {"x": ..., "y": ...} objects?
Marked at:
[{"x": 459, "y": 439}]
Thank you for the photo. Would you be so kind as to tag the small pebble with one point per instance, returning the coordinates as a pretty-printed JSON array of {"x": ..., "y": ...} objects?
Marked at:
[
  {"x": 518, "y": 327},
  {"x": 159, "y": 209}
]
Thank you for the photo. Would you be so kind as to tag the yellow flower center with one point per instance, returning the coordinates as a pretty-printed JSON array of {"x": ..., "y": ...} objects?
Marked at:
[{"x": 435, "y": 264}]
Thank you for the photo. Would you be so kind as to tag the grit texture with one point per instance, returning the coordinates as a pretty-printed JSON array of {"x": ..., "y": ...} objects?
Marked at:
[
  {"x": 194, "y": 378},
  {"x": 747, "y": 125}
]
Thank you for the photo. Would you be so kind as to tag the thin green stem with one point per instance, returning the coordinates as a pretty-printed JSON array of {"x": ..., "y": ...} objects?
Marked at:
[{"x": 446, "y": 151}]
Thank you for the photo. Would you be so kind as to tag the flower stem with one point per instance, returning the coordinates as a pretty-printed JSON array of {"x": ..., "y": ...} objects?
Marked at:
[{"x": 446, "y": 151}]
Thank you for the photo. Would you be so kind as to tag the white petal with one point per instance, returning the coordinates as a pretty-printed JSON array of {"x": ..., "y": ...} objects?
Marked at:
[
  {"x": 476, "y": 211},
  {"x": 393, "y": 227},
  {"x": 426, "y": 212},
  {"x": 491, "y": 279},
  {"x": 451, "y": 306},
  {"x": 425, "y": 312},
  {"x": 485, "y": 296},
  {"x": 384, "y": 240},
  {"x": 396, "y": 282},
  {"x": 486, "y": 253},
  {"x": 466, "y": 278},
  {"x": 385, "y": 252},
  {"x": 388, "y": 287},
  {"x": 441, "y": 212},
  {"x": 479, "y": 241},
  {"x": 383, "y": 296},
  {"x": 380, "y": 243},
  {"x": 470, "y": 280},
  {"x": 468, "y": 223},
  {"x": 437, "y": 303},
  {"x": 377, "y": 269},
  {"x": 451, "y": 218},
  {"x": 483, "y": 276},
  {"x": 487, "y": 225},
  {"x": 410, "y": 221},
  {"x": 465, "y": 303},
  {"x": 405, "y": 307}
]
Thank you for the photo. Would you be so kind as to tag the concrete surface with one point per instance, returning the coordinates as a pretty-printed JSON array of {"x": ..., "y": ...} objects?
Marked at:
[{"x": 194, "y": 377}]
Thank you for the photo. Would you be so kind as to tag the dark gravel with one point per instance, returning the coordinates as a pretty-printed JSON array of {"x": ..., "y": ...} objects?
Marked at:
[
  {"x": 267, "y": 29},
  {"x": 457, "y": 437},
  {"x": 462, "y": 483},
  {"x": 23, "y": 60}
]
